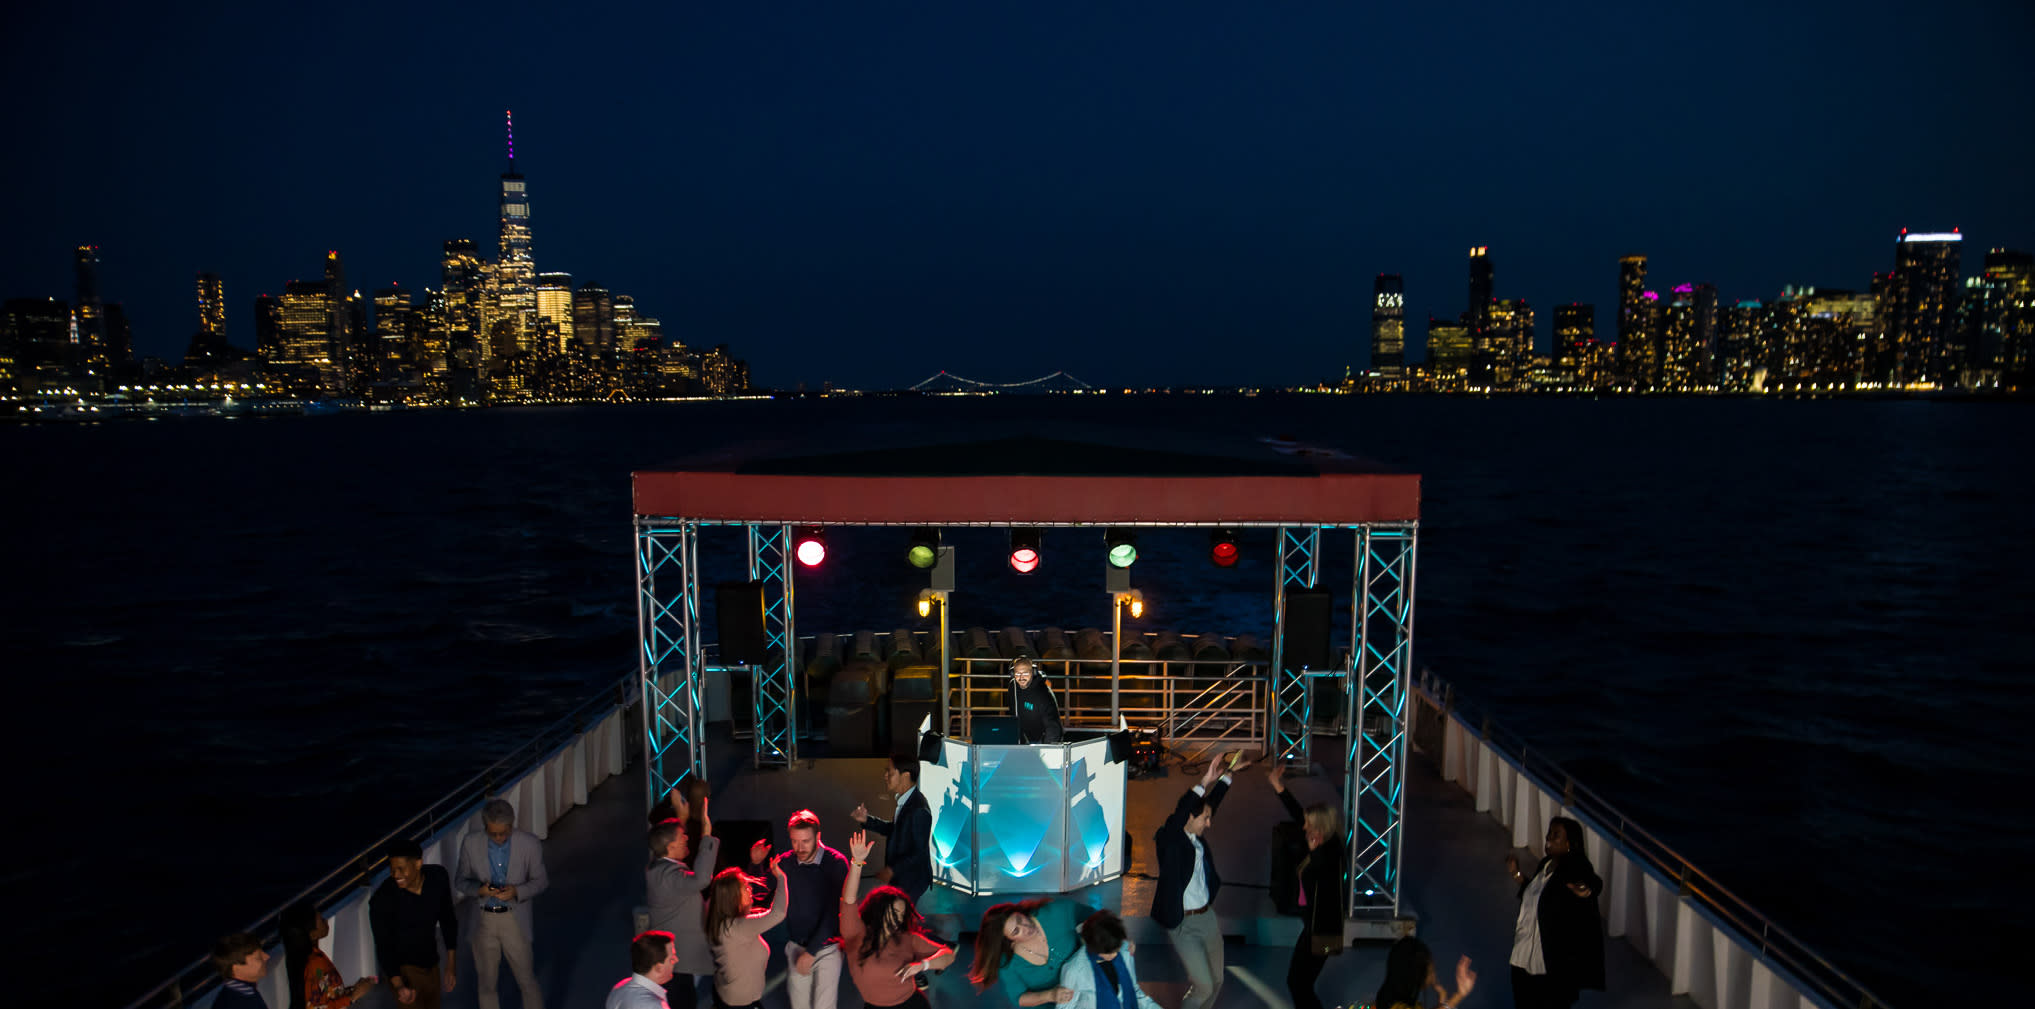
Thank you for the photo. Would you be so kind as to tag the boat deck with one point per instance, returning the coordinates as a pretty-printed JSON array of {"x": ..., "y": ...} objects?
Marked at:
[{"x": 1455, "y": 883}]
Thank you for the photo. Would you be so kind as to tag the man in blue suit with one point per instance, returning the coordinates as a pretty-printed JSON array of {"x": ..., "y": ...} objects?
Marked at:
[
  {"x": 1184, "y": 901},
  {"x": 504, "y": 869},
  {"x": 909, "y": 853}
]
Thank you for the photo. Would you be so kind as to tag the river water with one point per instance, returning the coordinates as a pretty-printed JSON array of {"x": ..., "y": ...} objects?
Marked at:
[{"x": 1792, "y": 638}]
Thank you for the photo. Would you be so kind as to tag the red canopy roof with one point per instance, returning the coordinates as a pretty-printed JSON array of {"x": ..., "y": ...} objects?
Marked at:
[{"x": 1031, "y": 480}]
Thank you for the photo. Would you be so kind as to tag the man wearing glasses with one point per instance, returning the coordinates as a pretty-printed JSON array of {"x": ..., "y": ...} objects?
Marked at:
[{"x": 1031, "y": 700}]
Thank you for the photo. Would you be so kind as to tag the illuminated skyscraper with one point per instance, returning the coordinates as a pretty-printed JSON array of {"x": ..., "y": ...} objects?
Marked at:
[
  {"x": 554, "y": 307},
  {"x": 306, "y": 359},
  {"x": 1481, "y": 281},
  {"x": 1450, "y": 354},
  {"x": 1631, "y": 312},
  {"x": 2007, "y": 321},
  {"x": 393, "y": 350},
  {"x": 211, "y": 309},
  {"x": 593, "y": 319},
  {"x": 1388, "y": 326},
  {"x": 515, "y": 269},
  {"x": 464, "y": 284},
  {"x": 268, "y": 329},
  {"x": 37, "y": 335},
  {"x": 1689, "y": 338},
  {"x": 1920, "y": 307},
  {"x": 1575, "y": 346}
]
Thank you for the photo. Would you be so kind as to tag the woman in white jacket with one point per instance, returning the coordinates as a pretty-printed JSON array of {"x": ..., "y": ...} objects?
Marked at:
[{"x": 1102, "y": 975}]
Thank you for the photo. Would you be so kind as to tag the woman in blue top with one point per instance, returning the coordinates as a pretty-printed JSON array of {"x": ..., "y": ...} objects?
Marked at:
[{"x": 1023, "y": 946}]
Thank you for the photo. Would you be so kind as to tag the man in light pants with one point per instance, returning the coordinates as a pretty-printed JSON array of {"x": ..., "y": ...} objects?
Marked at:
[
  {"x": 503, "y": 869},
  {"x": 1184, "y": 901},
  {"x": 813, "y": 873}
]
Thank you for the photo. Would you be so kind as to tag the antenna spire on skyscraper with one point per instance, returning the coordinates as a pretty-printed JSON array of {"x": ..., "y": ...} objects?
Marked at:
[{"x": 510, "y": 114}]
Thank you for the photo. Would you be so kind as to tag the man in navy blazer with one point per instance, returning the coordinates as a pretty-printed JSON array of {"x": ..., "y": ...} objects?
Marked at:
[
  {"x": 503, "y": 868},
  {"x": 909, "y": 853},
  {"x": 1184, "y": 901}
]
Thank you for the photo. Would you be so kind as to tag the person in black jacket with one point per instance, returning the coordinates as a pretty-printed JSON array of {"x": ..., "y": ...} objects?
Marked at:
[
  {"x": 1323, "y": 885},
  {"x": 1184, "y": 901},
  {"x": 909, "y": 854},
  {"x": 1031, "y": 700},
  {"x": 1558, "y": 940}
]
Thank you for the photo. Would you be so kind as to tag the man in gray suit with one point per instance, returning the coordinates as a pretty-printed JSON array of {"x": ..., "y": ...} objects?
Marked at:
[
  {"x": 504, "y": 868},
  {"x": 675, "y": 902}
]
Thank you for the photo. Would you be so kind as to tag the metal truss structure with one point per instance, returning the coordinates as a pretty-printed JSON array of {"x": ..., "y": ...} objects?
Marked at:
[
  {"x": 1376, "y": 687},
  {"x": 1292, "y": 693},
  {"x": 773, "y": 690},
  {"x": 668, "y": 631},
  {"x": 1375, "y": 783}
]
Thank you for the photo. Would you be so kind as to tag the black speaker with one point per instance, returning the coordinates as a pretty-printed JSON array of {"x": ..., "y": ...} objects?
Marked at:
[
  {"x": 930, "y": 748},
  {"x": 1308, "y": 617},
  {"x": 738, "y": 608}
]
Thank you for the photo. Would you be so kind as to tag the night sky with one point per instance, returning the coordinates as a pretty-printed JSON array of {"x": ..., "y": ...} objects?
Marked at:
[{"x": 1137, "y": 194}]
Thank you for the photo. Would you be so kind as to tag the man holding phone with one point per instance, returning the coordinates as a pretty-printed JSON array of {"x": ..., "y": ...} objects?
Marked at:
[
  {"x": 504, "y": 868},
  {"x": 1184, "y": 901}
]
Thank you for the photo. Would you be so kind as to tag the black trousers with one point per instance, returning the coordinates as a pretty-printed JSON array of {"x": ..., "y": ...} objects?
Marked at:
[
  {"x": 1541, "y": 991},
  {"x": 1303, "y": 972}
]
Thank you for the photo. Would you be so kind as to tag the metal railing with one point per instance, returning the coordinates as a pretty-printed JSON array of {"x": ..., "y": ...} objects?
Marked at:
[
  {"x": 1774, "y": 943},
  {"x": 1197, "y": 704},
  {"x": 200, "y": 977}
]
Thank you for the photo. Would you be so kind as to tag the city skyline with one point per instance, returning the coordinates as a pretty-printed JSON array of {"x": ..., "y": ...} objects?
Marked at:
[{"x": 852, "y": 198}]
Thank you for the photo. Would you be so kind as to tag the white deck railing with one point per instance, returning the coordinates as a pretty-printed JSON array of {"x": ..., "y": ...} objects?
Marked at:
[
  {"x": 545, "y": 778},
  {"x": 1712, "y": 946}
]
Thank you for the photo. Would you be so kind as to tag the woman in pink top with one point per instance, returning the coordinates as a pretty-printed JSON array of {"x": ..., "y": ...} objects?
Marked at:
[
  {"x": 885, "y": 949},
  {"x": 736, "y": 934}
]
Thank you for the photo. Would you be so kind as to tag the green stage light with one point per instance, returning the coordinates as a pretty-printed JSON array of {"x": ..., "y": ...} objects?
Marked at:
[
  {"x": 925, "y": 548},
  {"x": 1123, "y": 548}
]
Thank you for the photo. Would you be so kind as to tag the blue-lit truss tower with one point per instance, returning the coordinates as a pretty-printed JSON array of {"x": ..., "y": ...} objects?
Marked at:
[{"x": 1310, "y": 496}]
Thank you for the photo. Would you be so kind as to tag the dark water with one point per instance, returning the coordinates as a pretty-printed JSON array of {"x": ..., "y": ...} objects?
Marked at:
[{"x": 1791, "y": 638}]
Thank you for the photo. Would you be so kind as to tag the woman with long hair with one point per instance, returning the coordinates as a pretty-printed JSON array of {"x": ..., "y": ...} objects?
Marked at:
[
  {"x": 1322, "y": 884},
  {"x": 310, "y": 978},
  {"x": 736, "y": 934},
  {"x": 887, "y": 950},
  {"x": 1558, "y": 938},
  {"x": 1409, "y": 970},
  {"x": 1023, "y": 946}
]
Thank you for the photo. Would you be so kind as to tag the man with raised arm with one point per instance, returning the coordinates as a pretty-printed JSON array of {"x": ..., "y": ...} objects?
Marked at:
[{"x": 1184, "y": 901}]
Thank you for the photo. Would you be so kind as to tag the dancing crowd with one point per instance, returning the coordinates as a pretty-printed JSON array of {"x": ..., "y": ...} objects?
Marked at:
[{"x": 708, "y": 920}]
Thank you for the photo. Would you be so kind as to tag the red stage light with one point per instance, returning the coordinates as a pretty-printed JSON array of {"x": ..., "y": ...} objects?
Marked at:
[
  {"x": 1223, "y": 548},
  {"x": 812, "y": 548},
  {"x": 1024, "y": 550}
]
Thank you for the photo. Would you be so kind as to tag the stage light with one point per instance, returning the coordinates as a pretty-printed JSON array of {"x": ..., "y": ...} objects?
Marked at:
[
  {"x": 812, "y": 546},
  {"x": 925, "y": 548},
  {"x": 1123, "y": 547},
  {"x": 1222, "y": 548},
  {"x": 1024, "y": 550}
]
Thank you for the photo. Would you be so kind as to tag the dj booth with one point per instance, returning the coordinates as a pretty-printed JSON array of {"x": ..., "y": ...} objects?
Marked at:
[{"x": 1015, "y": 818}]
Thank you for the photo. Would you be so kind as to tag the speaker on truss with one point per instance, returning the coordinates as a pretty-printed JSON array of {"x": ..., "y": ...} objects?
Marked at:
[
  {"x": 1308, "y": 616},
  {"x": 738, "y": 609}
]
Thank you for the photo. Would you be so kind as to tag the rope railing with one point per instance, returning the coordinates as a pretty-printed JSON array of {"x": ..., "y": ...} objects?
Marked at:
[
  {"x": 1774, "y": 943},
  {"x": 197, "y": 979}
]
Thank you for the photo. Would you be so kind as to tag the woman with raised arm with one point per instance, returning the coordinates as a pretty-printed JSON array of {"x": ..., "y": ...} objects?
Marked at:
[
  {"x": 1323, "y": 885},
  {"x": 1023, "y": 947},
  {"x": 886, "y": 948},
  {"x": 736, "y": 934},
  {"x": 1558, "y": 938},
  {"x": 1409, "y": 970}
]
